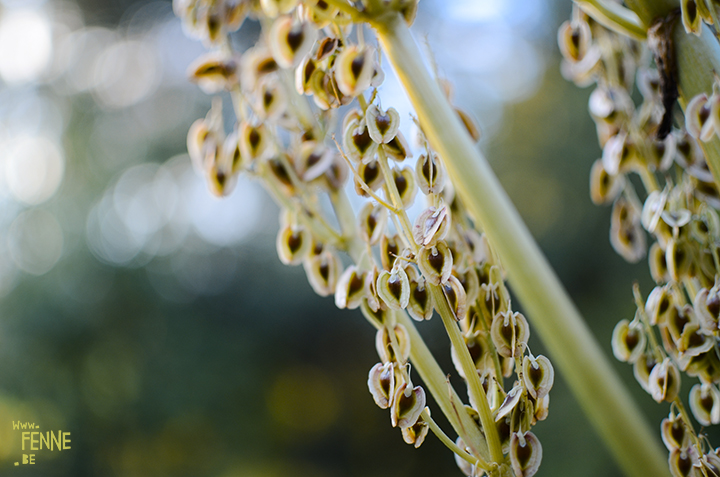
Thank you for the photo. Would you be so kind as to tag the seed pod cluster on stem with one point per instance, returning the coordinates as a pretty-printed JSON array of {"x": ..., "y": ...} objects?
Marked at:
[{"x": 313, "y": 57}]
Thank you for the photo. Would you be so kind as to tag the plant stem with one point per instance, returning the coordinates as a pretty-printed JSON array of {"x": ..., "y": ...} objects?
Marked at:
[
  {"x": 574, "y": 350},
  {"x": 697, "y": 60},
  {"x": 615, "y": 17},
  {"x": 474, "y": 384}
]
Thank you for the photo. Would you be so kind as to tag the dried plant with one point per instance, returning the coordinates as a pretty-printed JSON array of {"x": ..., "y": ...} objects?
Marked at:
[{"x": 453, "y": 258}]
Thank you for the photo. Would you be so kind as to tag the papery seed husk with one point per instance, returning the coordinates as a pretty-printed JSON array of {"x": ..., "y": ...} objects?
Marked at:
[
  {"x": 214, "y": 72},
  {"x": 381, "y": 383},
  {"x": 354, "y": 69},
  {"x": 323, "y": 271},
  {"x": 382, "y": 126},
  {"x": 383, "y": 344},
  {"x": 574, "y": 39},
  {"x": 406, "y": 409},
  {"x": 350, "y": 288},
  {"x": 604, "y": 188},
  {"x": 525, "y": 454},
  {"x": 664, "y": 381},
  {"x": 628, "y": 341},
  {"x": 658, "y": 266},
  {"x": 538, "y": 376},
  {"x": 293, "y": 245},
  {"x": 415, "y": 434},
  {"x": 420, "y": 304},
  {"x": 430, "y": 174},
  {"x": 394, "y": 288},
  {"x": 674, "y": 434},
  {"x": 372, "y": 219},
  {"x": 435, "y": 263},
  {"x": 290, "y": 41},
  {"x": 431, "y": 226},
  {"x": 705, "y": 403},
  {"x": 683, "y": 462},
  {"x": 455, "y": 296}
]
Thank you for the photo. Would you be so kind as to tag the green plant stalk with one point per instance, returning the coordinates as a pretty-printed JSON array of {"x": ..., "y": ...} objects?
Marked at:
[
  {"x": 474, "y": 384},
  {"x": 697, "y": 59},
  {"x": 615, "y": 17},
  {"x": 574, "y": 350}
]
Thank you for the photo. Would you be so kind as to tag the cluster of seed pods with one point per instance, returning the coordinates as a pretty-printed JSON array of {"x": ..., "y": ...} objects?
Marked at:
[
  {"x": 676, "y": 208},
  {"x": 436, "y": 262}
]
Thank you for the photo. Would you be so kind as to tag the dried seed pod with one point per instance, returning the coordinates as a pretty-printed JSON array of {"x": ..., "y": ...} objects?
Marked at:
[
  {"x": 319, "y": 12},
  {"x": 465, "y": 467},
  {"x": 674, "y": 433},
  {"x": 684, "y": 462},
  {"x": 707, "y": 308},
  {"x": 678, "y": 321},
  {"x": 420, "y": 304},
  {"x": 710, "y": 463},
  {"x": 371, "y": 296},
  {"x": 254, "y": 140},
  {"x": 658, "y": 265},
  {"x": 293, "y": 244},
  {"x": 455, "y": 296},
  {"x": 290, "y": 41},
  {"x": 397, "y": 149},
  {"x": 642, "y": 369},
  {"x": 525, "y": 454},
  {"x": 435, "y": 263},
  {"x": 389, "y": 250},
  {"x": 662, "y": 153},
  {"x": 313, "y": 160},
  {"x": 372, "y": 219},
  {"x": 257, "y": 63},
  {"x": 273, "y": 8},
  {"x": 381, "y": 382},
  {"x": 407, "y": 406},
  {"x": 431, "y": 226},
  {"x": 323, "y": 271},
  {"x": 542, "y": 408},
  {"x": 628, "y": 341},
  {"x": 272, "y": 100},
  {"x": 430, "y": 174},
  {"x": 664, "y": 381},
  {"x": 510, "y": 333},
  {"x": 574, "y": 39},
  {"x": 415, "y": 434},
  {"x": 281, "y": 174},
  {"x": 604, "y": 188},
  {"x": 705, "y": 404},
  {"x": 303, "y": 75},
  {"x": 405, "y": 184},
  {"x": 354, "y": 68},
  {"x": 693, "y": 342},
  {"x": 200, "y": 141},
  {"x": 327, "y": 47},
  {"x": 469, "y": 281},
  {"x": 660, "y": 305},
  {"x": 350, "y": 289},
  {"x": 385, "y": 349},
  {"x": 221, "y": 178},
  {"x": 538, "y": 376},
  {"x": 214, "y": 72},
  {"x": 626, "y": 234},
  {"x": 679, "y": 258},
  {"x": 698, "y": 120},
  {"x": 620, "y": 155},
  {"x": 512, "y": 399},
  {"x": 371, "y": 175},
  {"x": 690, "y": 16},
  {"x": 394, "y": 288},
  {"x": 382, "y": 125},
  {"x": 652, "y": 209},
  {"x": 357, "y": 142}
]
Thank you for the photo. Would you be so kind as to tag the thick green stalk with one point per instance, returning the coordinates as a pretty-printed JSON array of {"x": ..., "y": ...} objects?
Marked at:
[
  {"x": 574, "y": 350},
  {"x": 697, "y": 59}
]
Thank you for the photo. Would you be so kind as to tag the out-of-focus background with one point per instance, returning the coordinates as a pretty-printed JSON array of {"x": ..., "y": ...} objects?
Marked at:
[{"x": 156, "y": 324}]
